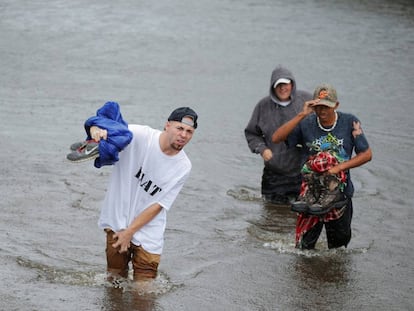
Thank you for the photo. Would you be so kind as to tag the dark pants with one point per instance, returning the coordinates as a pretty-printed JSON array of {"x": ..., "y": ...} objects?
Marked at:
[
  {"x": 278, "y": 188},
  {"x": 338, "y": 232}
]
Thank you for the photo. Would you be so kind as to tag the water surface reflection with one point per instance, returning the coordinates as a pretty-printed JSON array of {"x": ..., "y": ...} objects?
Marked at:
[
  {"x": 322, "y": 279},
  {"x": 116, "y": 299}
]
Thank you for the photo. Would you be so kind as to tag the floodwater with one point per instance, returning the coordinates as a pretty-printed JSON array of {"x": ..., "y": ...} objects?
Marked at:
[{"x": 224, "y": 249}]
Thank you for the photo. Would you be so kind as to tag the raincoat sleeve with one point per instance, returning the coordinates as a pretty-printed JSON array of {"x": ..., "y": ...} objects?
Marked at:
[{"x": 109, "y": 117}]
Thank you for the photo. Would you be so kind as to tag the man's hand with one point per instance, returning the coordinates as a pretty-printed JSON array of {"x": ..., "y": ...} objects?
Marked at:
[
  {"x": 123, "y": 240},
  {"x": 308, "y": 106},
  {"x": 267, "y": 154},
  {"x": 334, "y": 170},
  {"x": 97, "y": 133}
]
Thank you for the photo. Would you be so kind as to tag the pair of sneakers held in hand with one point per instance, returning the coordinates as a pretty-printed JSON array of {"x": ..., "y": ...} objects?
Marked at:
[
  {"x": 88, "y": 149},
  {"x": 322, "y": 193},
  {"x": 83, "y": 151}
]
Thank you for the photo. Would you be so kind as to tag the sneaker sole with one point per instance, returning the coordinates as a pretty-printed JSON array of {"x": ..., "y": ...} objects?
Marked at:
[
  {"x": 338, "y": 204},
  {"x": 76, "y": 156},
  {"x": 82, "y": 159},
  {"x": 299, "y": 208}
]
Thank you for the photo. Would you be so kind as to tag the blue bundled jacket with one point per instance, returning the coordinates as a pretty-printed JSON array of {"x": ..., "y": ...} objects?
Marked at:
[{"x": 109, "y": 117}]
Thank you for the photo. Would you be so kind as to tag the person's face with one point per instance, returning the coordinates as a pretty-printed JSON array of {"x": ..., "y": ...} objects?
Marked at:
[
  {"x": 179, "y": 134},
  {"x": 283, "y": 91},
  {"x": 325, "y": 113}
]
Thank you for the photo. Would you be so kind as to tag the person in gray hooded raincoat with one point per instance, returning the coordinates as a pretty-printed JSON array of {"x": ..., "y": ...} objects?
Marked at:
[{"x": 281, "y": 177}]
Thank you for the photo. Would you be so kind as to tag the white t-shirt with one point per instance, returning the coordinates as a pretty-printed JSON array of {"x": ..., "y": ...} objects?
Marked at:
[{"x": 144, "y": 175}]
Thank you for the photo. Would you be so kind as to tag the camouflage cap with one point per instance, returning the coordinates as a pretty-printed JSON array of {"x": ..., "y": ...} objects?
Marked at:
[{"x": 327, "y": 95}]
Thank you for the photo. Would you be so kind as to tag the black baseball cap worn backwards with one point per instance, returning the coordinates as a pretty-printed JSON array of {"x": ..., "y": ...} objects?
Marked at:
[{"x": 184, "y": 112}]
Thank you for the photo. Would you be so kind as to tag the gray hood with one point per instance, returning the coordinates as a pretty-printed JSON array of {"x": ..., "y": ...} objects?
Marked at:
[{"x": 281, "y": 72}]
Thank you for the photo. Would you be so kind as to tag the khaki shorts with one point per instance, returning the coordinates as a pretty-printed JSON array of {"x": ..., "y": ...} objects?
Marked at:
[{"x": 145, "y": 264}]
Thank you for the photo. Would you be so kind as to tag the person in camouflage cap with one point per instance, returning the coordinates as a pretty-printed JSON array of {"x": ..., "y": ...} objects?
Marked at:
[{"x": 320, "y": 127}]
